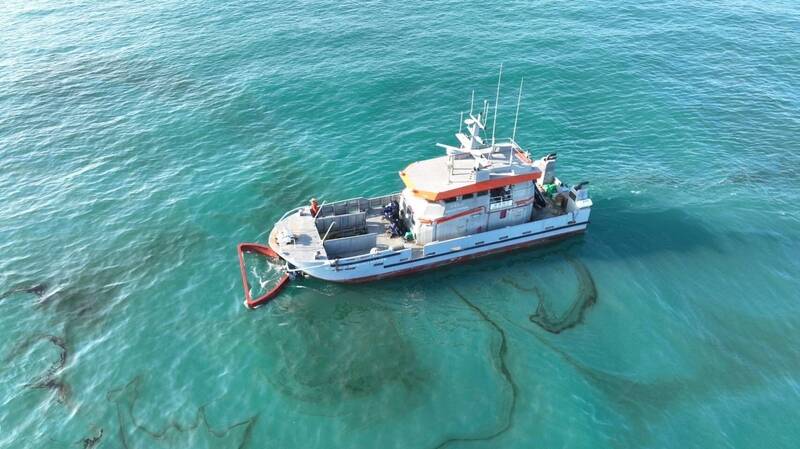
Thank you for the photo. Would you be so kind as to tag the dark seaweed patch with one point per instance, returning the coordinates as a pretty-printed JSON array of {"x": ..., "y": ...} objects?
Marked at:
[
  {"x": 50, "y": 378},
  {"x": 587, "y": 297},
  {"x": 500, "y": 361},
  {"x": 125, "y": 399},
  {"x": 642, "y": 401},
  {"x": 36, "y": 289},
  {"x": 634, "y": 397},
  {"x": 66, "y": 308},
  {"x": 91, "y": 442},
  {"x": 325, "y": 370}
]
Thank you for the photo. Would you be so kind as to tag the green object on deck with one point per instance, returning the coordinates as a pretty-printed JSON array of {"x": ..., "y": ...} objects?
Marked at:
[
  {"x": 550, "y": 189},
  {"x": 409, "y": 235}
]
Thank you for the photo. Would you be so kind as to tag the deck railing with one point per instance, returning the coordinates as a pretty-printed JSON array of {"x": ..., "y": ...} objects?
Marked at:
[
  {"x": 342, "y": 224},
  {"x": 355, "y": 205},
  {"x": 500, "y": 202}
]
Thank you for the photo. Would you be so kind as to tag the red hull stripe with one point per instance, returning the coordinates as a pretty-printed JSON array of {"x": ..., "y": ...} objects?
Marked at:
[
  {"x": 520, "y": 203},
  {"x": 458, "y": 215},
  {"x": 489, "y": 244},
  {"x": 436, "y": 256},
  {"x": 461, "y": 259}
]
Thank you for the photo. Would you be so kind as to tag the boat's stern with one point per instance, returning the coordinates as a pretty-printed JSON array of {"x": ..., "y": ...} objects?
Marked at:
[{"x": 295, "y": 239}]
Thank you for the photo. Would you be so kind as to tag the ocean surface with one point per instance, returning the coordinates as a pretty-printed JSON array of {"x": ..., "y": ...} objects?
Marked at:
[{"x": 141, "y": 141}]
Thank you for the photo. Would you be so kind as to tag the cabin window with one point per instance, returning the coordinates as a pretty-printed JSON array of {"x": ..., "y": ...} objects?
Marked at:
[
  {"x": 501, "y": 193},
  {"x": 450, "y": 200},
  {"x": 500, "y": 199},
  {"x": 467, "y": 196},
  {"x": 482, "y": 193}
]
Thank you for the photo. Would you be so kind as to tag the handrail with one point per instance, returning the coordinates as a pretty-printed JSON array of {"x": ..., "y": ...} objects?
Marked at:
[
  {"x": 333, "y": 223},
  {"x": 299, "y": 268},
  {"x": 499, "y": 199},
  {"x": 290, "y": 212},
  {"x": 362, "y": 198},
  {"x": 318, "y": 210}
]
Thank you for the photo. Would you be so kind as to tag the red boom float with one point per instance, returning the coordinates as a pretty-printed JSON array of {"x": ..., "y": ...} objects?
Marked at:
[{"x": 264, "y": 251}]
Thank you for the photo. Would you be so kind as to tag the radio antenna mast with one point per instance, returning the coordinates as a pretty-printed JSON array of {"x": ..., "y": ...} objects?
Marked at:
[
  {"x": 496, "y": 100},
  {"x": 471, "y": 101},
  {"x": 516, "y": 116}
]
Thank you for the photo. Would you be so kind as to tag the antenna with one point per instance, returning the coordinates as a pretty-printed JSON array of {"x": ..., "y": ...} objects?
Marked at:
[
  {"x": 496, "y": 100},
  {"x": 485, "y": 111},
  {"x": 471, "y": 101},
  {"x": 461, "y": 120},
  {"x": 516, "y": 116}
]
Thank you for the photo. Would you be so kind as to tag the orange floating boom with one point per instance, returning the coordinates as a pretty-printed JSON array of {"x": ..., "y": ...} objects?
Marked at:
[{"x": 264, "y": 250}]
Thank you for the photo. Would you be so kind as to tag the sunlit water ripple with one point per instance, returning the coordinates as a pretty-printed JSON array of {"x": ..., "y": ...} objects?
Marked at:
[{"x": 140, "y": 142}]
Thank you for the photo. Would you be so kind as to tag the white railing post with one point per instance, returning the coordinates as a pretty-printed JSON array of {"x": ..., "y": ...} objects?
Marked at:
[{"x": 328, "y": 231}]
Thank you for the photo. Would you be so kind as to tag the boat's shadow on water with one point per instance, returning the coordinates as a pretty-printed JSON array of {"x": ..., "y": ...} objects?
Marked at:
[{"x": 621, "y": 229}]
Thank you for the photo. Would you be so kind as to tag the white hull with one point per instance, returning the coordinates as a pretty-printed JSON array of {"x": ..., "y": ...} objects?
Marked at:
[{"x": 391, "y": 263}]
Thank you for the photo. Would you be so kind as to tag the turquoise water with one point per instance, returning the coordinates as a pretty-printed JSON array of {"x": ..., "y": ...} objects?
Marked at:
[{"x": 140, "y": 141}]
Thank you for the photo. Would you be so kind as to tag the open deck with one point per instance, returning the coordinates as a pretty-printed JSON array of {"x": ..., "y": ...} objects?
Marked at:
[
  {"x": 307, "y": 245},
  {"x": 342, "y": 229}
]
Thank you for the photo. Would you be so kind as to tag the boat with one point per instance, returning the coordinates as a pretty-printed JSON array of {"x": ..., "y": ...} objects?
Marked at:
[{"x": 483, "y": 196}]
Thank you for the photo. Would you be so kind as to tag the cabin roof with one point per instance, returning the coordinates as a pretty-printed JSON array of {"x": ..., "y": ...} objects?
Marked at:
[{"x": 433, "y": 179}]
